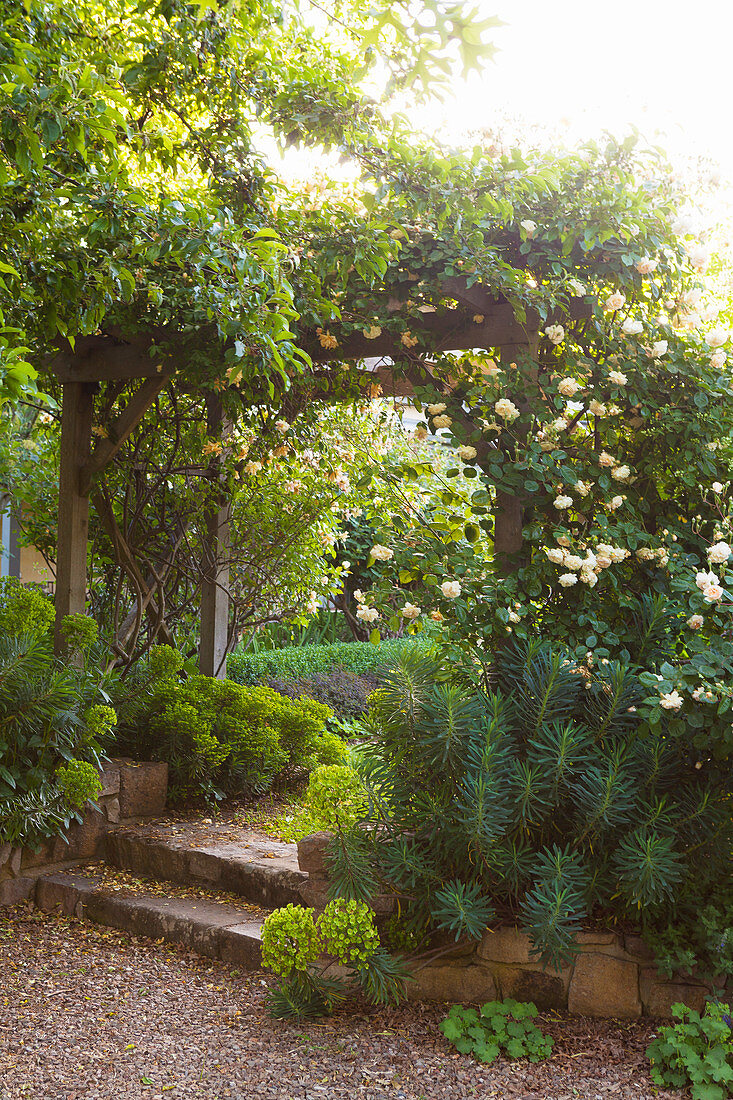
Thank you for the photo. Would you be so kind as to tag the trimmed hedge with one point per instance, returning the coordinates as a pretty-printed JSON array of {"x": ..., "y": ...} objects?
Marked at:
[{"x": 306, "y": 661}]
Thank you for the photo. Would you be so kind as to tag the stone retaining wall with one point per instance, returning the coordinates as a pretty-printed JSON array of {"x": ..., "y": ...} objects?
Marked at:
[
  {"x": 129, "y": 790},
  {"x": 612, "y": 976}
]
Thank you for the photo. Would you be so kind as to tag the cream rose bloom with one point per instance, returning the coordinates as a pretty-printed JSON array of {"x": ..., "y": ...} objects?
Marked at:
[
  {"x": 695, "y": 622},
  {"x": 529, "y": 227},
  {"x": 567, "y": 580},
  {"x": 372, "y": 331},
  {"x": 450, "y": 589},
  {"x": 717, "y": 337},
  {"x": 561, "y": 502},
  {"x": 671, "y": 701},
  {"x": 617, "y": 377},
  {"x": 568, "y": 387},
  {"x": 437, "y": 408},
  {"x": 442, "y": 421},
  {"x": 646, "y": 265},
  {"x": 467, "y": 454},
  {"x": 621, "y": 473},
  {"x": 367, "y": 614},
  {"x": 702, "y": 580},
  {"x": 506, "y": 409},
  {"x": 555, "y": 556},
  {"x": 605, "y": 459},
  {"x": 615, "y": 301},
  {"x": 381, "y": 553},
  {"x": 555, "y": 334},
  {"x": 712, "y": 593},
  {"x": 410, "y": 611},
  {"x": 719, "y": 553},
  {"x": 573, "y": 563},
  {"x": 630, "y": 327}
]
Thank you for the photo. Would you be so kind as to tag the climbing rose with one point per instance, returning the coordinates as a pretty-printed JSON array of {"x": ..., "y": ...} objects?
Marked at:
[
  {"x": 582, "y": 487},
  {"x": 436, "y": 409},
  {"x": 326, "y": 339},
  {"x": 645, "y": 265},
  {"x": 437, "y": 616},
  {"x": 529, "y": 227},
  {"x": 717, "y": 487},
  {"x": 555, "y": 556},
  {"x": 410, "y": 611},
  {"x": 408, "y": 340},
  {"x": 367, "y": 614},
  {"x": 630, "y": 327},
  {"x": 605, "y": 459},
  {"x": 587, "y": 576},
  {"x": 597, "y": 408},
  {"x": 671, "y": 701},
  {"x": 372, "y": 331},
  {"x": 621, "y": 473},
  {"x": 567, "y": 580},
  {"x": 718, "y": 359},
  {"x": 442, "y": 421},
  {"x": 381, "y": 553},
  {"x": 719, "y": 553},
  {"x": 702, "y": 580},
  {"x": 699, "y": 255},
  {"x": 252, "y": 467},
  {"x": 695, "y": 622},
  {"x": 561, "y": 502},
  {"x": 421, "y": 432},
  {"x": 573, "y": 562},
  {"x": 717, "y": 337},
  {"x": 568, "y": 387},
  {"x": 712, "y": 593},
  {"x": 467, "y": 453},
  {"x": 615, "y": 301},
  {"x": 555, "y": 334},
  {"x": 617, "y": 378},
  {"x": 658, "y": 349},
  {"x": 506, "y": 409},
  {"x": 450, "y": 589}
]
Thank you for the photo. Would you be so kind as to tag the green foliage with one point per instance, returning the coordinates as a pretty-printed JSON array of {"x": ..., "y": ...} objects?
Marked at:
[
  {"x": 497, "y": 1027},
  {"x": 696, "y": 1052},
  {"x": 348, "y": 932},
  {"x": 346, "y": 692},
  {"x": 546, "y": 797},
  {"x": 699, "y": 937},
  {"x": 335, "y": 799},
  {"x": 54, "y": 726},
  {"x": 305, "y": 662},
  {"x": 79, "y": 781},
  {"x": 217, "y": 735},
  {"x": 79, "y": 631},
  {"x": 292, "y": 942},
  {"x": 23, "y": 609}
]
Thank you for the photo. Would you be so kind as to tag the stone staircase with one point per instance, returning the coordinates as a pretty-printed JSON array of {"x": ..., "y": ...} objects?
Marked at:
[{"x": 206, "y": 885}]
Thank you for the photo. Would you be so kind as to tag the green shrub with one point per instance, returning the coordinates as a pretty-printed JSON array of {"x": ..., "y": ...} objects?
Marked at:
[
  {"x": 498, "y": 1026},
  {"x": 335, "y": 799},
  {"x": 219, "y": 736},
  {"x": 699, "y": 937},
  {"x": 346, "y": 692},
  {"x": 53, "y": 725},
  {"x": 547, "y": 798},
  {"x": 305, "y": 662},
  {"x": 293, "y": 940},
  {"x": 78, "y": 781},
  {"x": 23, "y": 609},
  {"x": 695, "y": 1053}
]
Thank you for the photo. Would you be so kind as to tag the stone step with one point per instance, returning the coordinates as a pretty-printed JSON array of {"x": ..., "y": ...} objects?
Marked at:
[
  {"x": 212, "y": 928},
  {"x": 260, "y": 870}
]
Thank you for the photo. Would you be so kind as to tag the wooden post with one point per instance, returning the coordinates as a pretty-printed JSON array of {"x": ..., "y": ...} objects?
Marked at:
[
  {"x": 215, "y": 568},
  {"x": 71, "y": 558}
]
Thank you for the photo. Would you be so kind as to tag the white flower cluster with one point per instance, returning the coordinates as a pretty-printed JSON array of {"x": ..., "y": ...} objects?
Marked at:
[
  {"x": 506, "y": 409},
  {"x": 364, "y": 613},
  {"x": 586, "y": 568},
  {"x": 660, "y": 554},
  {"x": 381, "y": 553},
  {"x": 710, "y": 586}
]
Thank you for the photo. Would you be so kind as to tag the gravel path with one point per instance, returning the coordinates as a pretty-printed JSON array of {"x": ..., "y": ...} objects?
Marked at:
[{"x": 88, "y": 1013}]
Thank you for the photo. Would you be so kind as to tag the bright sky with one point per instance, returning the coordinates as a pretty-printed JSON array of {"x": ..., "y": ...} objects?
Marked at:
[{"x": 662, "y": 65}]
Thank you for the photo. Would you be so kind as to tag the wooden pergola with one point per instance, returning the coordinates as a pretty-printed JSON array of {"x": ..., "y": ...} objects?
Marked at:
[{"x": 477, "y": 320}]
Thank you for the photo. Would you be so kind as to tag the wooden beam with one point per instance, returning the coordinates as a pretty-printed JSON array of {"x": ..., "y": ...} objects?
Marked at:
[
  {"x": 124, "y": 425},
  {"x": 71, "y": 560},
  {"x": 215, "y": 566},
  {"x": 103, "y": 361}
]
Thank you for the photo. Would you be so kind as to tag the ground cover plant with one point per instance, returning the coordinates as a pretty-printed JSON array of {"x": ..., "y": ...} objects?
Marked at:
[
  {"x": 695, "y": 1052},
  {"x": 497, "y": 1027}
]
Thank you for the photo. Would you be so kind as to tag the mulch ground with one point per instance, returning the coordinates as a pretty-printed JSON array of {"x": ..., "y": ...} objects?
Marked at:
[{"x": 89, "y": 1013}]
